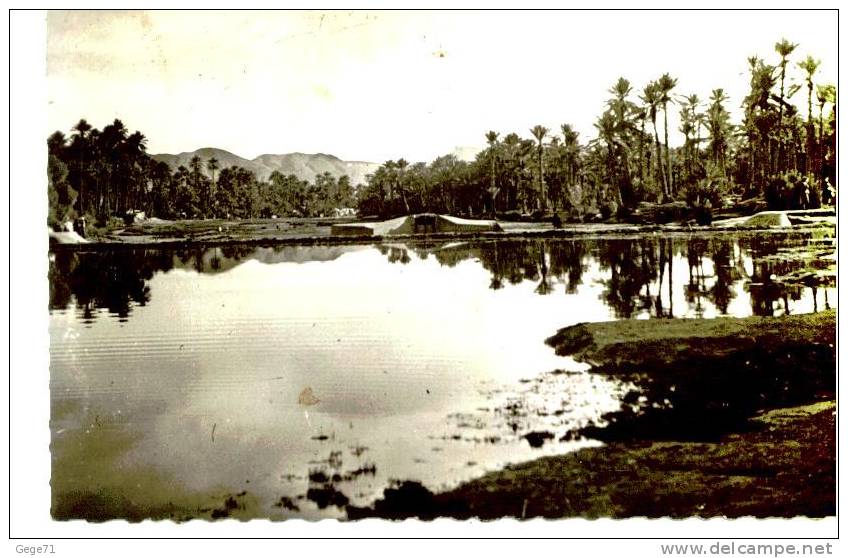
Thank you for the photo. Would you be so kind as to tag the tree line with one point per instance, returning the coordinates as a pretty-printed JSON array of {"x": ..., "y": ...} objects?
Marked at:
[
  {"x": 106, "y": 173},
  {"x": 786, "y": 155},
  {"x": 775, "y": 150}
]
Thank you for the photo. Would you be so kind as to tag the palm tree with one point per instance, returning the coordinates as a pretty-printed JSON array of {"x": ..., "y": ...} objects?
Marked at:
[
  {"x": 390, "y": 181},
  {"x": 607, "y": 132},
  {"x": 784, "y": 48},
  {"x": 651, "y": 98},
  {"x": 82, "y": 128},
  {"x": 212, "y": 166},
  {"x": 524, "y": 175},
  {"x": 619, "y": 103},
  {"x": 56, "y": 143},
  {"x": 824, "y": 94},
  {"x": 135, "y": 150},
  {"x": 809, "y": 65},
  {"x": 693, "y": 119},
  {"x": 700, "y": 120},
  {"x": 401, "y": 165},
  {"x": 760, "y": 120},
  {"x": 492, "y": 140},
  {"x": 688, "y": 108},
  {"x": 195, "y": 164},
  {"x": 718, "y": 123},
  {"x": 511, "y": 145},
  {"x": 822, "y": 97},
  {"x": 625, "y": 112},
  {"x": 641, "y": 114},
  {"x": 111, "y": 142},
  {"x": 572, "y": 150},
  {"x": 539, "y": 132},
  {"x": 665, "y": 84}
]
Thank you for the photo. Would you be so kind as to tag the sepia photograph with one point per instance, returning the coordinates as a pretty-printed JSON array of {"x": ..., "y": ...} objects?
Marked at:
[{"x": 401, "y": 265}]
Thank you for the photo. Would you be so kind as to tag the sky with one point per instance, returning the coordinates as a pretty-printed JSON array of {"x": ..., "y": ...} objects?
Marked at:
[{"x": 373, "y": 86}]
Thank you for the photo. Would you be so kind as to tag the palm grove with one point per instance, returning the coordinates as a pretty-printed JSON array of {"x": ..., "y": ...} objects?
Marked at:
[
  {"x": 106, "y": 173},
  {"x": 769, "y": 153}
]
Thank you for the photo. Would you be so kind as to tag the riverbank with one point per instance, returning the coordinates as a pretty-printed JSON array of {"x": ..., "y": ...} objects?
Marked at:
[
  {"x": 156, "y": 233},
  {"x": 731, "y": 417}
]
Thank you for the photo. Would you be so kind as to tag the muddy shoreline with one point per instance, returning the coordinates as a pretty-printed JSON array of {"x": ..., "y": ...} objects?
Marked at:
[
  {"x": 212, "y": 233},
  {"x": 741, "y": 422}
]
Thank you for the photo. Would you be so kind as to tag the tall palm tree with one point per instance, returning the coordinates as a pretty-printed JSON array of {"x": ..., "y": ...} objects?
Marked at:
[
  {"x": 82, "y": 129},
  {"x": 572, "y": 150},
  {"x": 651, "y": 98},
  {"x": 492, "y": 140},
  {"x": 760, "y": 120},
  {"x": 389, "y": 167},
  {"x": 195, "y": 164},
  {"x": 511, "y": 145},
  {"x": 111, "y": 142},
  {"x": 821, "y": 97},
  {"x": 539, "y": 132},
  {"x": 809, "y": 65},
  {"x": 212, "y": 165},
  {"x": 824, "y": 94},
  {"x": 401, "y": 165},
  {"x": 700, "y": 120},
  {"x": 784, "y": 48},
  {"x": 641, "y": 114},
  {"x": 56, "y": 143},
  {"x": 718, "y": 123},
  {"x": 619, "y": 103},
  {"x": 688, "y": 121},
  {"x": 608, "y": 133},
  {"x": 697, "y": 119},
  {"x": 665, "y": 84},
  {"x": 527, "y": 192},
  {"x": 135, "y": 149},
  {"x": 625, "y": 113}
]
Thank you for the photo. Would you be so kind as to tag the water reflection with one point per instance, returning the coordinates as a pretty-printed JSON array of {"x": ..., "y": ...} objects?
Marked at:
[
  {"x": 117, "y": 280},
  {"x": 178, "y": 376},
  {"x": 641, "y": 277},
  {"x": 114, "y": 281}
]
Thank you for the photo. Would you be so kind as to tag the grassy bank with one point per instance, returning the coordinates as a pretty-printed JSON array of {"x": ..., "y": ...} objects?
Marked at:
[{"x": 731, "y": 417}]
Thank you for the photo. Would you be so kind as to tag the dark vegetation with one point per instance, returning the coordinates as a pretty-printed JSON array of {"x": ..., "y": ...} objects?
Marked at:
[
  {"x": 777, "y": 153},
  {"x": 699, "y": 381},
  {"x": 103, "y": 174},
  {"x": 784, "y": 466},
  {"x": 775, "y": 150},
  {"x": 725, "y": 428}
]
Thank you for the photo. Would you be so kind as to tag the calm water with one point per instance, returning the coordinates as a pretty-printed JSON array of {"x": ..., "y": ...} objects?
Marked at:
[{"x": 245, "y": 381}]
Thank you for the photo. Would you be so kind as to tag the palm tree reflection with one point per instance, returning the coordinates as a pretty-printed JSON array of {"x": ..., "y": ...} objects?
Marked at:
[{"x": 636, "y": 275}]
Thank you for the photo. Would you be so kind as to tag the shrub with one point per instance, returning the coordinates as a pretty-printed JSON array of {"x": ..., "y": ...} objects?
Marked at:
[{"x": 705, "y": 193}]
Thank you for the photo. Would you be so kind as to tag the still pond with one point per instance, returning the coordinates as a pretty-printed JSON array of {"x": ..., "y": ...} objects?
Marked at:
[{"x": 277, "y": 382}]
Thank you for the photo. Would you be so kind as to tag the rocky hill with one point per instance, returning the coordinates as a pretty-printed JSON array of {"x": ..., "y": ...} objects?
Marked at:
[{"x": 305, "y": 166}]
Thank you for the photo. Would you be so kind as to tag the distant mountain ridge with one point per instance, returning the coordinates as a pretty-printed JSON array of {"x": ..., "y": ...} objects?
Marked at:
[{"x": 305, "y": 166}]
